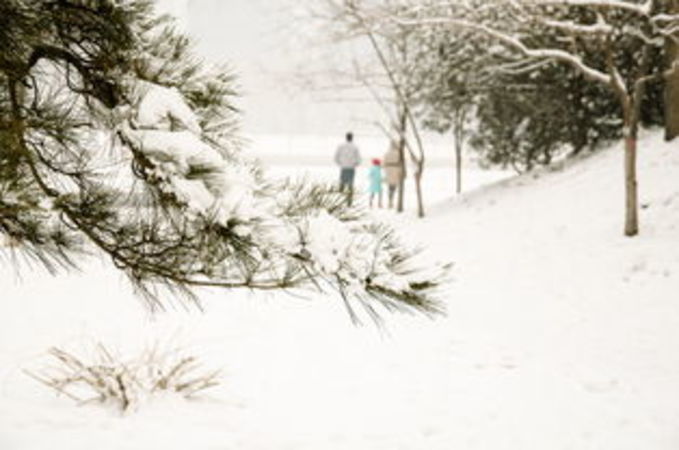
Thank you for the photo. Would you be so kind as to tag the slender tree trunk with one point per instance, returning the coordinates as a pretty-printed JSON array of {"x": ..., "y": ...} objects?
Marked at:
[
  {"x": 419, "y": 170},
  {"x": 631, "y": 194},
  {"x": 403, "y": 125},
  {"x": 672, "y": 101},
  {"x": 672, "y": 83},
  {"x": 630, "y": 103},
  {"x": 402, "y": 183},
  {"x": 459, "y": 136},
  {"x": 458, "y": 167},
  {"x": 419, "y": 163},
  {"x": 631, "y": 108}
]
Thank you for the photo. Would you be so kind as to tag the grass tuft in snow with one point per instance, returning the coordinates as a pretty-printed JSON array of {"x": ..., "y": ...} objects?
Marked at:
[{"x": 109, "y": 380}]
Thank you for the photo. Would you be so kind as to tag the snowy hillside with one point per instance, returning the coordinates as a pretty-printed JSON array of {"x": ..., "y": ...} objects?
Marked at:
[{"x": 560, "y": 334}]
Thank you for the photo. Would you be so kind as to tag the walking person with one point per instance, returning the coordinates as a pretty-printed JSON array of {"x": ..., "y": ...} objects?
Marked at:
[
  {"x": 375, "y": 185},
  {"x": 347, "y": 157},
  {"x": 393, "y": 168}
]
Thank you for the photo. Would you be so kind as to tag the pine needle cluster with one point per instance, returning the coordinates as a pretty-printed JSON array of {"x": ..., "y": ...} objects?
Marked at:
[{"x": 75, "y": 178}]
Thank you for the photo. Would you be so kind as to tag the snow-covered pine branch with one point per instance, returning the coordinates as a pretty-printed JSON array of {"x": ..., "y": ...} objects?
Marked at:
[{"x": 152, "y": 175}]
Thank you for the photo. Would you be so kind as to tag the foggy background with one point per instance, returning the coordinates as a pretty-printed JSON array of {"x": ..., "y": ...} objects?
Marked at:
[{"x": 264, "y": 42}]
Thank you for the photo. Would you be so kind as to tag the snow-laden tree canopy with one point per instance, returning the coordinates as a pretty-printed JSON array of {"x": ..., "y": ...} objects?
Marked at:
[
  {"x": 615, "y": 43},
  {"x": 114, "y": 136}
]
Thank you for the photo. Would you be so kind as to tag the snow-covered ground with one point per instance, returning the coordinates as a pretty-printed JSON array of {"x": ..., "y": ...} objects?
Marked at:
[{"x": 560, "y": 334}]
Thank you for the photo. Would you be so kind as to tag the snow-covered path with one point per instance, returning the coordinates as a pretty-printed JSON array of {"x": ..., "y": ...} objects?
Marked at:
[{"x": 560, "y": 334}]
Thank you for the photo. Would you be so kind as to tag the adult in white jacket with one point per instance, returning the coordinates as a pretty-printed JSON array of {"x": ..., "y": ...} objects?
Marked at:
[{"x": 348, "y": 157}]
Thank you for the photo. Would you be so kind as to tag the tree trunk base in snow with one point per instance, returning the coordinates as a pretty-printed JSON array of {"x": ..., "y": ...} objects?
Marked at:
[
  {"x": 631, "y": 194},
  {"x": 418, "y": 191}
]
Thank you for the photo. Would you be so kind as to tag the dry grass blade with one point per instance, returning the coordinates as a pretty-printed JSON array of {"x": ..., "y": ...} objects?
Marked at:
[
  {"x": 51, "y": 383},
  {"x": 199, "y": 384},
  {"x": 123, "y": 384}
]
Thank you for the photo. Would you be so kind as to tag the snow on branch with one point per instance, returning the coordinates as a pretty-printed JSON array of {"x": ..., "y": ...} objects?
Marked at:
[
  {"x": 642, "y": 9},
  {"x": 518, "y": 67},
  {"x": 516, "y": 44},
  {"x": 664, "y": 18},
  {"x": 667, "y": 26},
  {"x": 570, "y": 27},
  {"x": 298, "y": 235}
]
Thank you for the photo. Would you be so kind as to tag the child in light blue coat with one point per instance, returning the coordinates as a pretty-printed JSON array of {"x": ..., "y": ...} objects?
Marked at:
[{"x": 375, "y": 186}]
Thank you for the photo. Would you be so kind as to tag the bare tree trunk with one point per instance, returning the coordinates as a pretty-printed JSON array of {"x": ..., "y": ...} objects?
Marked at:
[
  {"x": 631, "y": 194},
  {"x": 672, "y": 105},
  {"x": 460, "y": 116},
  {"x": 418, "y": 188},
  {"x": 403, "y": 125},
  {"x": 419, "y": 163},
  {"x": 418, "y": 160},
  {"x": 630, "y": 103},
  {"x": 631, "y": 111},
  {"x": 672, "y": 82},
  {"x": 458, "y": 167}
]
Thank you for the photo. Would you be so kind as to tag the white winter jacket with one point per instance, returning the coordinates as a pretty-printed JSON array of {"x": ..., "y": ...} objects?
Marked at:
[{"x": 347, "y": 156}]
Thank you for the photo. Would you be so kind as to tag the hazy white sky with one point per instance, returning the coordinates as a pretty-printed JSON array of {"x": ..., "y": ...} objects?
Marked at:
[{"x": 261, "y": 40}]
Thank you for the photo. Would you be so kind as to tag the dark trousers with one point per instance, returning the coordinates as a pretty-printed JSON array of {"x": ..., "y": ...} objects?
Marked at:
[
  {"x": 347, "y": 175},
  {"x": 392, "y": 192}
]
